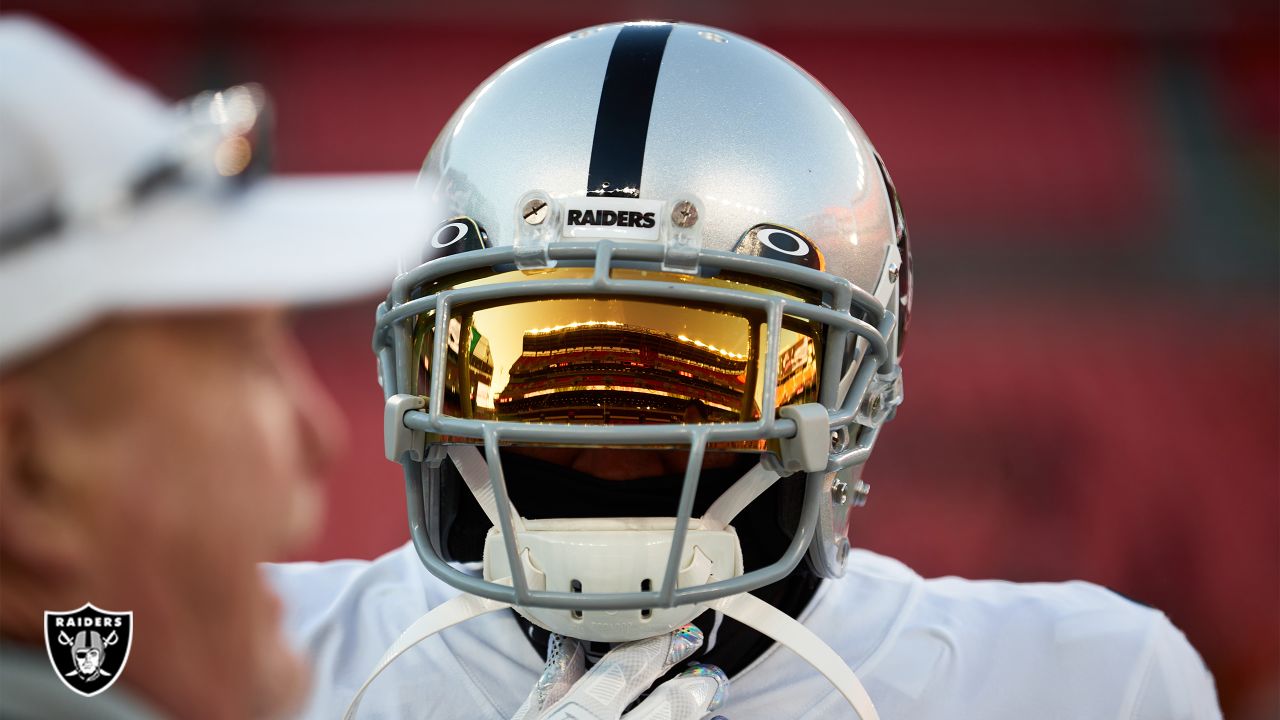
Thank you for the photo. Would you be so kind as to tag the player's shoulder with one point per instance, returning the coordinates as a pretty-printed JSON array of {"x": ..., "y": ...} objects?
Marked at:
[
  {"x": 1042, "y": 613},
  {"x": 1062, "y": 614},
  {"x": 324, "y": 589},
  {"x": 1073, "y": 645}
]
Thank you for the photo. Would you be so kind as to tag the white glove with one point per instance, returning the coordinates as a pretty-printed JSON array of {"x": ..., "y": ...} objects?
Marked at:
[{"x": 564, "y": 692}]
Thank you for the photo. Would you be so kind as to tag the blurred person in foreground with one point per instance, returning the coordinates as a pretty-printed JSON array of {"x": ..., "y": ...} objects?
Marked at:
[
  {"x": 633, "y": 393},
  {"x": 160, "y": 431}
]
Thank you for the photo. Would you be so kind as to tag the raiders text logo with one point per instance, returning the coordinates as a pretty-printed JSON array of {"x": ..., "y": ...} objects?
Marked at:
[
  {"x": 624, "y": 218},
  {"x": 609, "y": 217},
  {"x": 88, "y": 646}
]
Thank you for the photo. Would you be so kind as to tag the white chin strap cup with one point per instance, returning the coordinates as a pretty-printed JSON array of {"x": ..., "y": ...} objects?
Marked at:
[
  {"x": 612, "y": 555},
  {"x": 745, "y": 608}
]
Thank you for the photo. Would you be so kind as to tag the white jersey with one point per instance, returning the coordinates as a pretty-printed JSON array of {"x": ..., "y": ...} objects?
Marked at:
[{"x": 924, "y": 649}]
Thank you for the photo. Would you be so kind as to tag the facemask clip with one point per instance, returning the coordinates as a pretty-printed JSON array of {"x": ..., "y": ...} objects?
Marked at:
[
  {"x": 396, "y": 437},
  {"x": 682, "y": 235},
  {"x": 809, "y": 449},
  {"x": 883, "y": 396},
  {"x": 537, "y": 225}
]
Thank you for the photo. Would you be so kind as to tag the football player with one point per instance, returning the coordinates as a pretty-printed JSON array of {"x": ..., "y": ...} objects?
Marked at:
[{"x": 634, "y": 388}]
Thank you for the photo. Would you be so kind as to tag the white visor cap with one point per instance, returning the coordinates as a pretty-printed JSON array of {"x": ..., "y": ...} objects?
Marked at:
[{"x": 75, "y": 136}]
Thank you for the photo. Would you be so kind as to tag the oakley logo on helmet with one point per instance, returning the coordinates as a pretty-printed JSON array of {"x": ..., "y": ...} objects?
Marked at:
[
  {"x": 449, "y": 234},
  {"x": 88, "y": 647},
  {"x": 776, "y": 242},
  {"x": 784, "y": 241},
  {"x": 460, "y": 234}
]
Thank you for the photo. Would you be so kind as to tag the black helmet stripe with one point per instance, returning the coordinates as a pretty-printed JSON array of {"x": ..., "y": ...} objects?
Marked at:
[{"x": 622, "y": 120}]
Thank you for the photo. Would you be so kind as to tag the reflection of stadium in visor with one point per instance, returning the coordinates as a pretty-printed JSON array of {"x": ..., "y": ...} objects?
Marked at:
[{"x": 615, "y": 360}]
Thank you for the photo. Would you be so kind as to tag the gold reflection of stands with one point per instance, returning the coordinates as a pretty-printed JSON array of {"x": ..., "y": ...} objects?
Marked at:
[{"x": 623, "y": 374}]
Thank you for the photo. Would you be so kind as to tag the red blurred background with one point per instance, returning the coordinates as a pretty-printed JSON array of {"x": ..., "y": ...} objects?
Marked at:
[{"x": 1092, "y": 190}]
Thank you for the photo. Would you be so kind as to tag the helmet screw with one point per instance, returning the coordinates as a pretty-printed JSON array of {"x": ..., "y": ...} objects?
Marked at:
[
  {"x": 684, "y": 214},
  {"x": 873, "y": 405},
  {"x": 839, "y": 439},
  {"x": 893, "y": 273},
  {"x": 861, "y": 490},
  {"x": 535, "y": 211},
  {"x": 839, "y": 492}
]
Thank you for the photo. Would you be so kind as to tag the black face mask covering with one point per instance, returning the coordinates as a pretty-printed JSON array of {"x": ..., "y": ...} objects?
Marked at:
[{"x": 541, "y": 490}]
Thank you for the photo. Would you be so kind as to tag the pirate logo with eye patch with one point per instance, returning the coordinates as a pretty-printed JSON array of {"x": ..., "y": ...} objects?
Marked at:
[{"x": 88, "y": 647}]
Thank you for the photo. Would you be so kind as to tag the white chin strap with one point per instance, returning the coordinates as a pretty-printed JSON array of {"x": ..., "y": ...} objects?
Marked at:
[{"x": 745, "y": 608}]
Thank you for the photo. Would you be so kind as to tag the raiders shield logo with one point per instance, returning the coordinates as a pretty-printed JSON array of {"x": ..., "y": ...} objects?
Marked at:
[{"x": 88, "y": 646}]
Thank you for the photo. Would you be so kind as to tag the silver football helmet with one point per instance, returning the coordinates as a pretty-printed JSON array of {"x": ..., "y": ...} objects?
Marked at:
[{"x": 656, "y": 235}]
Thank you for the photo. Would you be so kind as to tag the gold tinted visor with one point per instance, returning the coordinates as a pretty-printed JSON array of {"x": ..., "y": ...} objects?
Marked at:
[{"x": 614, "y": 360}]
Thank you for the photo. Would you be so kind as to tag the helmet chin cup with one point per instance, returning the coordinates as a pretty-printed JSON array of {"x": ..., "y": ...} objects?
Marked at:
[{"x": 612, "y": 555}]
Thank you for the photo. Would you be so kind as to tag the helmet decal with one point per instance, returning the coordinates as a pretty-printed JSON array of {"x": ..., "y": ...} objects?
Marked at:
[
  {"x": 457, "y": 235},
  {"x": 776, "y": 242},
  {"x": 626, "y": 99}
]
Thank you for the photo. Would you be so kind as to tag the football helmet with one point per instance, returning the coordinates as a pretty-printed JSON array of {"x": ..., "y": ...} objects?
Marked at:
[{"x": 655, "y": 235}]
